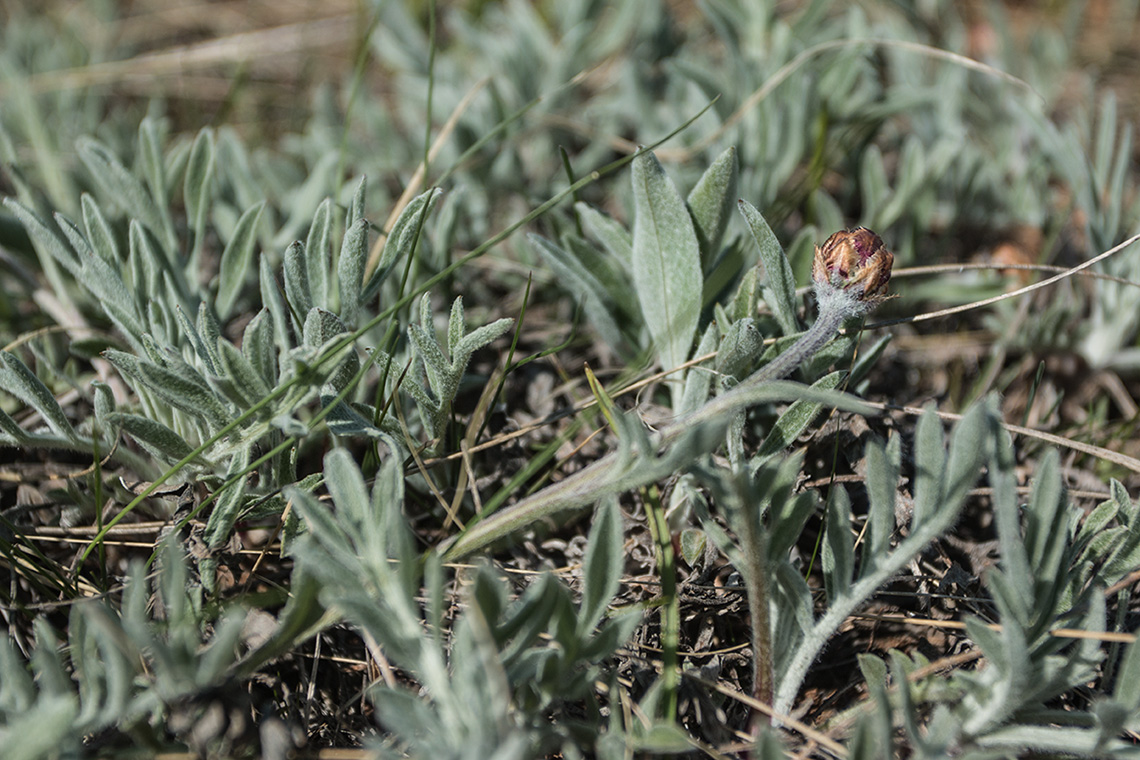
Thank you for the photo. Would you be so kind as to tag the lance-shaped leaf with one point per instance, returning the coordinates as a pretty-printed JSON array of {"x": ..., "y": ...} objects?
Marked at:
[
  {"x": 118, "y": 183},
  {"x": 317, "y": 248},
  {"x": 99, "y": 232},
  {"x": 46, "y": 239},
  {"x": 196, "y": 186},
  {"x": 602, "y": 566},
  {"x": 236, "y": 258},
  {"x": 710, "y": 203},
  {"x": 258, "y": 347},
  {"x": 607, "y": 231},
  {"x": 666, "y": 263},
  {"x": 227, "y": 505},
  {"x": 779, "y": 281},
  {"x": 401, "y": 239},
  {"x": 158, "y": 439},
  {"x": 350, "y": 269},
  {"x": 296, "y": 271},
  {"x": 21, "y": 382}
]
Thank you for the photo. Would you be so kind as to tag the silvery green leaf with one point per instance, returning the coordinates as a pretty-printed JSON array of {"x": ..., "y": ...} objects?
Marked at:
[
  {"x": 150, "y": 158},
  {"x": 195, "y": 340},
  {"x": 571, "y": 275},
  {"x": 318, "y": 252},
  {"x": 1127, "y": 689},
  {"x": 698, "y": 378},
  {"x": 296, "y": 270},
  {"x": 710, "y": 203},
  {"x": 456, "y": 326},
  {"x": 227, "y": 506},
  {"x": 747, "y": 295},
  {"x": 793, "y": 422},
  {"x": 356, "y": 208},
  {"x": 693, "y": 543},
  {"x": 99, "y": 232},
  {"x": 196, "y": 184},
  {"x": 246, "y": 380},
  {"x": 272, "y": 300},
  {"x": 739, "y": 350},
  {"x": 350, "y": 269},
  {"x": 153, "y": 436},
  {"x": 788, "y": 511},
  {"x": 436, "y": 364},
  {"x": 1007, "y": 517},
  {"x": 257, "y": 346},
  {"x": 46, "y": 239},
  {"x": 346, "y": 421},
  {"x": 118, "y": 183},
  {"x": 611, "y": 234},
  {"x": 480, "y": 337},
  {"x": 401, "y": 239},
  {"x": 236, "y": 258},
  {"x": 150, "y": 260},
  {"x": 322, "y": 328},
  {"x": 104, "y": 282},
  {"x": 11, "y": 428},
  {"x": 180, "y": 389},
  {"x": 780, "y": 284},
  {"x": 867, "y": 358},
  {"x": 210, "y": 331},
  {"x": 929, "y": 480},
  {"x": 1045, "y": 520},
  {"x": 234, "y": 164},
  {"x": 666, "y": 264},
  {"x": 883, "y": 464},
  {"x": 21, "y": 382},
  {"x": 103, "y": 399},
  {"x": 17, "y": 690},
  {"x": 603, "y": 565}
]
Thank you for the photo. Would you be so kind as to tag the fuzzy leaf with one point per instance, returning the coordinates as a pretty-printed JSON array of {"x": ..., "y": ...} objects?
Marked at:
[
  {"x": 318, "y": 252},
  {"x": 602, "y": 566},
  {"x": 236, "y": 258},
  {"x": 21, "y": 382},
  {"x": 241, "y": 372},
  {"x": 613, "y": 237},
  {"x": 710, "y": 203},
  {"x": 883, "y": 464},
  {"x": 796, "y": 419},
  {"x": 296, "y": 271},
  {"x": 573, "y": 275},
  {"x": 45, "y": 238},
  {"x": 118, "y": 183},
  {"x": 350, "y": 269},
  {"x": 227, "y": 506},
  {"x": 779, "y": 281},
  {"x": 666, "y": 263},
  {"x": 153, "y": 436},
  {"x": 838, "y": 545},
  {"x": 401, "y": 239},
  {"x": 99, "y": 232},
  {"x": 257, "y": 346},
  {"x": 196, "y": 186}
]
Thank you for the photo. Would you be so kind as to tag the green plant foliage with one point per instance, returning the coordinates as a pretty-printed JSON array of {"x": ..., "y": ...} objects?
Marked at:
[
  {"x": 183, "y": 309},
  {"x": 507, "y": 664},
  {"x": 127, "y": 664}
]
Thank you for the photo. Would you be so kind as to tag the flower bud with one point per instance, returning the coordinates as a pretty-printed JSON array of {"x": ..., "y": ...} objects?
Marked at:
[{"x": 851, "y": 258}]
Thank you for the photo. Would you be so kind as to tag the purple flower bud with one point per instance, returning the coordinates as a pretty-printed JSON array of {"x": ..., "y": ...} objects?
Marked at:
[{"x": 851, "y": 258}]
